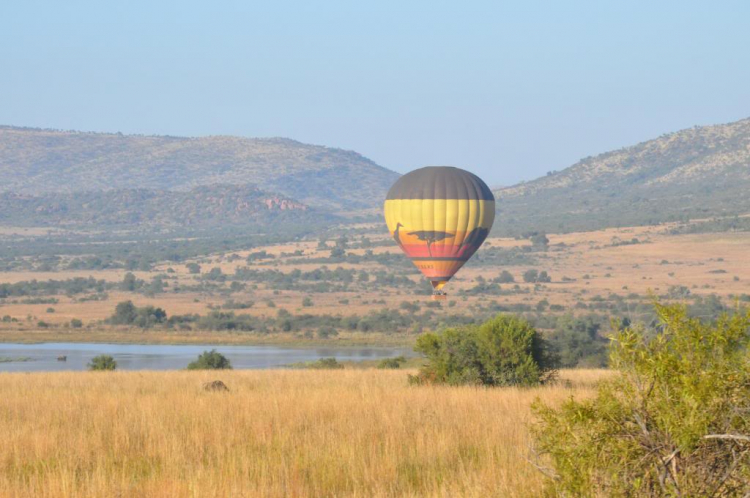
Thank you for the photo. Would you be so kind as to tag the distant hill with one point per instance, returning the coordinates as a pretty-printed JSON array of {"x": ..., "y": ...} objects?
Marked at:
[
  {"x": 218, "y": 205},
  {"x": 694, "y": 173},
  {"x": 34, "y": 161}
]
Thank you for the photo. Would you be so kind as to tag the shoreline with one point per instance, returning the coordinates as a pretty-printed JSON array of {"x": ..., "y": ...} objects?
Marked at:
[{"x": 344, "y": 340}]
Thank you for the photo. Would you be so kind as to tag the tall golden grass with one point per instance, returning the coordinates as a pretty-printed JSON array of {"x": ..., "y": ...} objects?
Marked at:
[{"x": 276, "y": 433}]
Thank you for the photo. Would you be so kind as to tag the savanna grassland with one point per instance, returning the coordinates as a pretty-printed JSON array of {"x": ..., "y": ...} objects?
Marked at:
[
  {"x": 356, "y": 286},
  {"x": 275, "y": 433}
]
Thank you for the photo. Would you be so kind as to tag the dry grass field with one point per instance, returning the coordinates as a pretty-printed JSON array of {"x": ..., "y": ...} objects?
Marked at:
[{"x": 275, "y": 434}]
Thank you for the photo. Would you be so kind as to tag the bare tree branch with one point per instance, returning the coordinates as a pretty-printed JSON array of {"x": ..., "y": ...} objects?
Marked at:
[{"x": 731, "y": 437}]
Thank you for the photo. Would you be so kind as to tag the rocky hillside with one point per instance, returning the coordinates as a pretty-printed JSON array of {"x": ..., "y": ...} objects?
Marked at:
[
  {"x": 695, "y": 173},
  {"x": 34, "y": 161},
  {"x": 218, "y": 205}
]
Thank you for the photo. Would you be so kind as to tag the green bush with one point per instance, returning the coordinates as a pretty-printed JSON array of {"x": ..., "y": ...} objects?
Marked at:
[
  {"x": 674, "y": 422},
  {"x": 326, "y": 364},
  {"x": 126, "y": 313},
  {"x": 76, "y": 323},
  {"x": 504, "y": 351},
  {"x": 102, "y": 362},
  {"x": 390, "y": 363},
  {"x": 577, "y": 342},
  {"x": 210, "y": 360}
]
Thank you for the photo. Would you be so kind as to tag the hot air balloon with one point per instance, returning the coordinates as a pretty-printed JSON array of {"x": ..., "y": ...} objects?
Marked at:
[{"x": 439, "y": 216}]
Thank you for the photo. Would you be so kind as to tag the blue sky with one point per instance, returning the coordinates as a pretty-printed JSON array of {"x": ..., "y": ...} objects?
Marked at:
[{"x": 509, "y": 90}]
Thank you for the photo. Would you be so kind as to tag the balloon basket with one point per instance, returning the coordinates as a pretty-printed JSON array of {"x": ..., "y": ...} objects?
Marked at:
[{"x": 442, "y": 296}]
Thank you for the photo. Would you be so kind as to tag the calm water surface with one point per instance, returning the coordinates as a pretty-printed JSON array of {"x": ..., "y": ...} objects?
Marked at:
[{"x": 163, "y": 357}]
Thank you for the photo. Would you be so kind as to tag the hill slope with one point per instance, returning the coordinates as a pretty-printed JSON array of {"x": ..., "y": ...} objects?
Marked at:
[
  {"x": 218, "y": 205},
  {"x": 698, "y": 172},
  {"x": 34, "y": 161}
]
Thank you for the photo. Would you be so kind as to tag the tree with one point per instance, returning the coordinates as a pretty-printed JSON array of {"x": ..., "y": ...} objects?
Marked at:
[
  {"x": 102, "y": 363},
  {"x": 505, "y": 277},
  {"x": 210, "y": 360},
  {"x": 530, "y": 276},
  {"x": 675, "y": 421},
  {"x": 215, "y": 274},
  {"x": 193, "y": 268},
  {"x": 504, "y": 351},
  {"x": 539, "y": 241},
  {"x": 125, "y": 313},
  {"x": 76, "y": 323},
  {"x": 130, "y": 283},
  {"x": 578, "y": 343},
  {"x": 535, "y": 276}
]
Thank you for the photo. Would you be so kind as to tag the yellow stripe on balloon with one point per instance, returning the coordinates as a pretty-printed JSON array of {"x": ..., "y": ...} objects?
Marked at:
[{"x": 449, "y": 215}]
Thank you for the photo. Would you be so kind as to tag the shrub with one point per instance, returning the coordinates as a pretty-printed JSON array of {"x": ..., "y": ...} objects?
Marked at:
[
  {"x": 504, "y": 351},
  {"x": 388, "y": 363},
  {"x": 530, "y": 276},
  {"x": 326, "y": 332},
  {"x": 76, "y": 323},
  {"x": 102, "y": 362},
  {"x": 326, "y": 364},
  {"x": 577, "y": 342},
  {"x": 505, "y": 277},
  {"x": 210, "y": 360},
  {"x": 674, "y": 422},
  {"x": 126, "y": 313}
]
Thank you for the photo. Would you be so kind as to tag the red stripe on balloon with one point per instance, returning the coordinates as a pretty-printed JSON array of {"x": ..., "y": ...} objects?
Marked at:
[{"x": 439, "y": 251}]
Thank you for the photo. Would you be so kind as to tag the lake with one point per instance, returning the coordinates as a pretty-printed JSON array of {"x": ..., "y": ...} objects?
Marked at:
[{"x": 43, "y": 357}]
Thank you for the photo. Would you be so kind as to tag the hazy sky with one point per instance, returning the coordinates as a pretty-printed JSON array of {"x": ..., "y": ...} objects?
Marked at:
[{"x": 509, "y": 90}]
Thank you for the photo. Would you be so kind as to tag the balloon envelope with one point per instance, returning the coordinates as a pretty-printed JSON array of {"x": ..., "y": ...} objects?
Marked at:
[{"x": 439, "y": 216}]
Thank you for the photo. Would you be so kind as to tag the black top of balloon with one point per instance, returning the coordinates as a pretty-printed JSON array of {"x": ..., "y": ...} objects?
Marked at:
[{"x": 440, "y": 182}]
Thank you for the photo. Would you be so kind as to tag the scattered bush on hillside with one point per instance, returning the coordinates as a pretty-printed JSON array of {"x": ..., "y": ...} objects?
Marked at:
[
  {"x": 102, "y": 363},
  {"x": 210, "y": 360},
  {"x": 674, "y": 422},
  {"x": 503, "y": 351}
]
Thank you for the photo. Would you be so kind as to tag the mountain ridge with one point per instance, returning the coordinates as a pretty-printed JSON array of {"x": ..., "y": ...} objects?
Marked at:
[
  {"x": 701, "y": 171},
  {"x": 34, "y": 160}
]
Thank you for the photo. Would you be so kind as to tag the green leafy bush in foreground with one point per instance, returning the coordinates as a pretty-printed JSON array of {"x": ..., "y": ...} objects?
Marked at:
[
  {"x": 210, "y": 360},
  {"x": 503, "y": 351},
  {"x": 102, "y": 362},
  {"x": 674, "y": 422}
]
